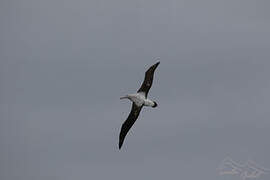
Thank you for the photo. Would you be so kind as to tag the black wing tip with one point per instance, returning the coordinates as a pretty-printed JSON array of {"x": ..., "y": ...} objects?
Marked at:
[
  {"x": 121, "y": 139},
  {"x": 120, "y": 145},
  {"x": 155, "y": 65}
]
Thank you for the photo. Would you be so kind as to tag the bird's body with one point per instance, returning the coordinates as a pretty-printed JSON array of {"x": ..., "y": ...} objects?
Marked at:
[{"x": 139, "y": 100}]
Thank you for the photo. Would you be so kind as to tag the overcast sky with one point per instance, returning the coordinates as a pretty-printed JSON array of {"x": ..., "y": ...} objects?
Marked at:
[{"x": 65, "y": 63}]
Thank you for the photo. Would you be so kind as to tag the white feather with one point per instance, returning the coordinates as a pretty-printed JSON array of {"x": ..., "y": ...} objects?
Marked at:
[{"x": 139, "y": 99}]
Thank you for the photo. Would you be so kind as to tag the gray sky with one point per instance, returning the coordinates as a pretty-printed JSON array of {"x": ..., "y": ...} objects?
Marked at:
[{"x": 64, "y": 65}]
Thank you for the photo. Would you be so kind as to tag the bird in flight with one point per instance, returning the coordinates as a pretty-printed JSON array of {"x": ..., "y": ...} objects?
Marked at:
[{"x": 139, "y": 100}]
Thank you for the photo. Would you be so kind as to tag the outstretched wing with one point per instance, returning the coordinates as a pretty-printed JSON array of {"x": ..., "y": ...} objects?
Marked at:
[
  {"x": 132, "y": 117},
  {"x": 148, "y": 79}
]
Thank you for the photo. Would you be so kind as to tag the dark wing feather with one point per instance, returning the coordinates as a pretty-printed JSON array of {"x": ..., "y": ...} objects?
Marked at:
[
  {"x": 148, "y": 79},
  {"x": 132, "y": 117}
]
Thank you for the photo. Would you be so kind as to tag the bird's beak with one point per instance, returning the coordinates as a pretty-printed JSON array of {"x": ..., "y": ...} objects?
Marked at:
[{"x": 124, "y": 97}]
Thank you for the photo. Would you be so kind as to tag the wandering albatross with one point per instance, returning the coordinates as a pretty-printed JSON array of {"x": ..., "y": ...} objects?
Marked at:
[{"x": 139, "y": 100}]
